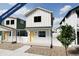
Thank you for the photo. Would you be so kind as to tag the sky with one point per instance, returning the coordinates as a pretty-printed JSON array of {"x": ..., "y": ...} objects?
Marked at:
[{"x": 59, "y": 10}]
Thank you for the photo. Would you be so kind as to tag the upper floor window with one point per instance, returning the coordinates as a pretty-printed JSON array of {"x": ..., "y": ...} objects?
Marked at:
[
  {"x": 42, "y": 34},
  {"x": 12, "y": 21},
  {"x": 37, "y": 19},
  {"x": 7, "y": 22},
  {"x": 22, "y": 22}
]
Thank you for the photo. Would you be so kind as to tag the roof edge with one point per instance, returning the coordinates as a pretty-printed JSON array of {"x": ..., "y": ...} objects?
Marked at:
[{"x": 36, "y": 9}]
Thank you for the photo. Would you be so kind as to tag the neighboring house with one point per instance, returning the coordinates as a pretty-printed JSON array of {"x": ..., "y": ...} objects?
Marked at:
[
  {"x": 18, "y": 26},
  {"x": 72, "y": 18},
  {"x": 39, "y": 24},
  {"x": 15, "y": 23}
]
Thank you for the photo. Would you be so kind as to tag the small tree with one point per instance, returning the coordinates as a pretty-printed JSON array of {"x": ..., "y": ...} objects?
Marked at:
[{"x": 67, "y": 36}]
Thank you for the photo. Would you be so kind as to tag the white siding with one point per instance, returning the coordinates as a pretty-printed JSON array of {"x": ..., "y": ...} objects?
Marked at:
[
  {"x": 45, "y": 19},
  {"x": 20, "y": 39},
  {"x": 72, "y": 20},
  {"x": 13, "y": 25}
]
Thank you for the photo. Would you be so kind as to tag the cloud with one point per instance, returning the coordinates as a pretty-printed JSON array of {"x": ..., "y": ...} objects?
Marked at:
[
  {"x": 19, "y": 13},
  {"x": 65, "y": 9},
  {"x": 22, "y": 11},
  {"x": 11, "y": 4},
  {"x": 2, "y": 11},
  {"x": 56, "y": 22}
]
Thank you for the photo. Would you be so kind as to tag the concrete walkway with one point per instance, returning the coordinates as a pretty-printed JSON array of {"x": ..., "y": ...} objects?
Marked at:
[
  {"x": 17, "y": 52},
  {"x": 4, "y": 52}
]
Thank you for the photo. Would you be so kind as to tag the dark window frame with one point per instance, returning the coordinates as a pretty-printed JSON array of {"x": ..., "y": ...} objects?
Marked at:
[
  {"x": 42, "y": 34},
  {"x": 7, "y": 22},
  {"x": 10, "y": 33},
  {"x": 12, "y": 22},
  {"x": 22, "y": 33},
  {"x": 37, "y": 19}
]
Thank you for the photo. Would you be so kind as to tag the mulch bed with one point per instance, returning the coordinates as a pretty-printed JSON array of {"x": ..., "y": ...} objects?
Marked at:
[
  {"x": 55, "y": 51},
  {"x": 10, "y": 46}
]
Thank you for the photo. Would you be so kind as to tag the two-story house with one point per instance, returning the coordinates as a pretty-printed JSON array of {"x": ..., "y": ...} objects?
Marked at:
[
  {"x": 18, "y": 26},
  {"x": 39, "y": 23},
  {"x": 72, "y": 18}
]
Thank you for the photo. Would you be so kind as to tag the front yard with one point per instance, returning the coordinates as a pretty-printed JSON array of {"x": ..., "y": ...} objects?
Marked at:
[
  {"x": 10, "y": 46},
  {"x": 21, "y": 49},
  {"x": 55, "y": 51}
]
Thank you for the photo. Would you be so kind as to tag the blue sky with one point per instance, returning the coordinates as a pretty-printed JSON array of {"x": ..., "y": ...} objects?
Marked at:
[{"x": 58, "y": 9}]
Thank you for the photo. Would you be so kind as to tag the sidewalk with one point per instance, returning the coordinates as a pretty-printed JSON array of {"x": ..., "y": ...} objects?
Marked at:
[
  {"x": 17, "y": 52},
  {"x": 21, "y": 52},
  {"x": 4, "y": 52}
]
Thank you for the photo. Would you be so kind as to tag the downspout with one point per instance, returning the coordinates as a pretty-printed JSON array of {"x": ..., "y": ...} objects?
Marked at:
[
  {"x": 16, "y": 36},
  {"x": 51, "y": 46}
]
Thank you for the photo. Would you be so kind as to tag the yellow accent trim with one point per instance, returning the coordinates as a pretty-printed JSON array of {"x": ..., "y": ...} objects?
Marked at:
[
  {"x": 31, "y": 36},
  {"x": 5, "y": 35}
]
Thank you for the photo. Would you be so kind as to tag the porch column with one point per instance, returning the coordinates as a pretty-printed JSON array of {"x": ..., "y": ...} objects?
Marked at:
[
  {"x": 12, "y": 35},
  {"x": 2, "y": 37},
  {"x": 16, "y": 35}
]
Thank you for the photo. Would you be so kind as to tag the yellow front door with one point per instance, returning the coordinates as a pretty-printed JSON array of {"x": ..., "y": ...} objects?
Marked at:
[
  {"x": 5, "y": 36},
  {"x": 31, "y": 36}
]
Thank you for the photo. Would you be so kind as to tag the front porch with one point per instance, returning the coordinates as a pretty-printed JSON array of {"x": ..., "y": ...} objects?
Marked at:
[
  {"x": 39, "y": 36},
  {"x": 7, "y": 34},
  {"x": 13, "y": 35}
]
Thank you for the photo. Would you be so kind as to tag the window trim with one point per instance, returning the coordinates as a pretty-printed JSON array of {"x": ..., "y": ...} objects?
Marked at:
[
  {"x": 37, "y": 19},
  {"x": 8, "y": 22},
  {"x": 22, "y": 33},
  {"x": 11, "y": 22},
  {"x": 43, "y": 34}
]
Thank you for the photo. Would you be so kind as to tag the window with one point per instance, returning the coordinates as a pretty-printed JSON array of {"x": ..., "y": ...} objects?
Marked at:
[
  {"x": 12, "y": 21},
  {"x": 7, "y": 22},
  {"x": 22, "y": 33},
  {"x": 37, "y": 19},
  {"x": 42, "y": 34},
  {"x": 10, "y": 33},
  {"x": 22, "y": 22},
  {"x": 0, "y": 33}
]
